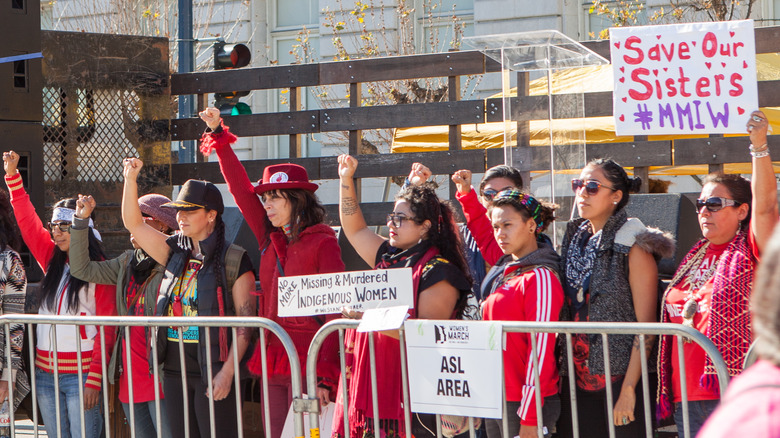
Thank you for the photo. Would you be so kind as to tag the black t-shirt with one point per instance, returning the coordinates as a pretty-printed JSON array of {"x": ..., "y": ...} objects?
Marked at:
[
  {"x": 172, "y": 357},
  {"x": 436, "y": 270}
]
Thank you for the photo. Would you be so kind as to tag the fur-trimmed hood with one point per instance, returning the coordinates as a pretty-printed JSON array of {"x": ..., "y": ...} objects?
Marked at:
[{"x": 656, "y": 242}]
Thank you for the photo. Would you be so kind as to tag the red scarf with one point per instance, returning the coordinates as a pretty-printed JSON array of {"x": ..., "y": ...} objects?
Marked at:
[
  {"x": 388, "y": 365},
  {"x": 729, "y": 326}
]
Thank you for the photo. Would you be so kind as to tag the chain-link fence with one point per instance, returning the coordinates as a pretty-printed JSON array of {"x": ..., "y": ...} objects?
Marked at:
[{"x": 86, "y": 133}]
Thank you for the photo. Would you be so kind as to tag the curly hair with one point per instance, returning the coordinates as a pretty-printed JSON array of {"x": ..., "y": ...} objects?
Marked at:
[
  {"x": 9, "y": 233},
  {"x": 443, "y": 234}
]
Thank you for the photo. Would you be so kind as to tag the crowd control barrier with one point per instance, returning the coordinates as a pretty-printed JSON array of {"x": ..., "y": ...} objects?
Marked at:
[
  {"x": 105, "y": 323},
  {"x": 567, "y": 329}
]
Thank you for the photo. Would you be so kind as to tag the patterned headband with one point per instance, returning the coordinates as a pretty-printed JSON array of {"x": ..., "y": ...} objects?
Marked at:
[
  {"x": 530, "y": 203},
  {"x": 67, "y": 214}
]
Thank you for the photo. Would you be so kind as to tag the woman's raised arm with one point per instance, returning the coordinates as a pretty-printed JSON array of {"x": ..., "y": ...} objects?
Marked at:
[
  {"x": 365, "y": 242},
  {"x": 764, "y": 210},
  {"x": 151, "y": 240}
]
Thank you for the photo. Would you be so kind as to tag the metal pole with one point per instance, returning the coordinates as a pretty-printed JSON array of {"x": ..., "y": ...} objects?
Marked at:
[{"x": 186, "y": 65}]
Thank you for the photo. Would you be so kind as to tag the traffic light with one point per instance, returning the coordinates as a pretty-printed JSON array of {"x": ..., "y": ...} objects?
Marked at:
[{"x": 229, "y": 56}]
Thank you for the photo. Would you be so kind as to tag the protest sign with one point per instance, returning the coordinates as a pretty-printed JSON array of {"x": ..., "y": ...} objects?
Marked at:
[
  {"x": 693, "y": 78},
  {"x": 320, "y": 294},
  {"x": 457, "y": 367}
]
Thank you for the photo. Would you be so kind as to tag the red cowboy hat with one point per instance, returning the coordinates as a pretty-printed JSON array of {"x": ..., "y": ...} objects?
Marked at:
[{"x": 284, "y": 177}]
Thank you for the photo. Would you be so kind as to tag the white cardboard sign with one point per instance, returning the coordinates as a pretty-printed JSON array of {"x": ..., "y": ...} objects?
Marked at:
[
  {"x": 321, "y": 294},
  {"x": 457, "y": 365},
  {"x": 692, "y": 78}
]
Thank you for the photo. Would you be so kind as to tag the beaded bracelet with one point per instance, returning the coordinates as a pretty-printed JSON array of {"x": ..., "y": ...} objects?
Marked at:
[
  {"x": 760, "y": 154},
  {"x": 759, "y": 149}
]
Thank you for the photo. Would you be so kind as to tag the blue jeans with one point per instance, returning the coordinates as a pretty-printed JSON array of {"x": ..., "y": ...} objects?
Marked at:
[
  {"x": 146, "y": 419},
  {"x": 698, "y": 412},
  {"x": 70, "y": 407}
]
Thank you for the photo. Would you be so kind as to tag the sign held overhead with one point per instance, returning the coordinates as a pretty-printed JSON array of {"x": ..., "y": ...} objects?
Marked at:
[{"x": 693, "y": 78}]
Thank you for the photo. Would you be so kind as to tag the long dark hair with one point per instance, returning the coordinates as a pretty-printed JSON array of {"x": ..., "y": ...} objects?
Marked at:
[
  {"x": 56, "y": 268},
  {"x": 443, "y": 234},
  {"x": 219, "y": 259},
  {"x": 9, "y": 233},
  {"x": 305, "y": 210}
]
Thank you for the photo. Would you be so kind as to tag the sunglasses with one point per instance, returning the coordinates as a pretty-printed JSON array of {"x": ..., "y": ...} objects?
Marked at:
[
  {"x": 397, "y": 219},
  {"x": 64, "y": 227},
  {"x": 715, "y": 203},
  {"x": 591, "y": 187},
  {"x": 489, "y": 194}
]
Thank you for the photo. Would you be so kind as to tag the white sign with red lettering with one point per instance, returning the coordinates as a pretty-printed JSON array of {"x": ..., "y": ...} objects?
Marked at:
[{"x": 693, "y": 78}]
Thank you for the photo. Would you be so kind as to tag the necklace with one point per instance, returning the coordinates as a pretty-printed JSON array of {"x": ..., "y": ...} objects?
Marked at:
[{"x": 695, "y": 282}]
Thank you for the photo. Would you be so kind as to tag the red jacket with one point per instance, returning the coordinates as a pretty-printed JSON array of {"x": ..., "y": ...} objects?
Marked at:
[
  {"x": 316, "y": 251},
  {"x": 480, "y": 226},
  {"x": 102, "y": 303},
  {"x": 535, "y": 295}
]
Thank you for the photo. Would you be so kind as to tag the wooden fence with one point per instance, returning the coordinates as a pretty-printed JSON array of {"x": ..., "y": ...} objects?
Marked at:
[{"x": 640, "y": 154}]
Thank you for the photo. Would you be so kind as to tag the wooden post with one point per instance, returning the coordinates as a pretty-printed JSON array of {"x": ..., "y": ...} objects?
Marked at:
[
  {"x": 295, "y": 105},
  {"x": 202, "y": 102},
  {"x": 355, "y": 135},
  {"x": 641, "y": 171},
  {"x": 455, "y": 141},
  {"x": 716, "y": 167}
]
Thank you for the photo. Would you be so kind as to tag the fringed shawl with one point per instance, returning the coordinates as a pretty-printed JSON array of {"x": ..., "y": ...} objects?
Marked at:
[{"x": 729, "y": 321}]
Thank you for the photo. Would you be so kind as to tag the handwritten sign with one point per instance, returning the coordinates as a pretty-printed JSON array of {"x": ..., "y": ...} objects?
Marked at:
[
  {"x": 457, "y": 366},
  {"x": 320, "y": 294},
  {"x": 694, "y": 78}
]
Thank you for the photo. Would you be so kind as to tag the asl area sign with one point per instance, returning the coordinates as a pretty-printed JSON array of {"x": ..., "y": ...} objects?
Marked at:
[
  {"x": 693, "y": 78},
  {"x": 457, "y": 367},
  {"x": 320, "y": 294}
]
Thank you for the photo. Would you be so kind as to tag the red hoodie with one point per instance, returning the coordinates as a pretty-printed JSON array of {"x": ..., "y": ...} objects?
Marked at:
[
  {"x": 316, "y": 251},
  {"x": 103, "y": 302},
  {"x": 535, "y": 295}
]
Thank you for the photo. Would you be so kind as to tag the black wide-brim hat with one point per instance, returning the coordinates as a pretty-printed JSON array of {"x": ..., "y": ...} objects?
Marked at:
[
  {"x": 197, "y": 194},
  {"x": 284, "y": 177}
]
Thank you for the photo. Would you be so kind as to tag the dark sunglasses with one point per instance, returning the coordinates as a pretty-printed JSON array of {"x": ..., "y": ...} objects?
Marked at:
[
  {"x": 64, "y": 227},
  {"x": 591, "y": 187},
  {"x": 397, "y": 219},
  {"x": 489, "y": 194},
  {"x": 716, "y": 203}
]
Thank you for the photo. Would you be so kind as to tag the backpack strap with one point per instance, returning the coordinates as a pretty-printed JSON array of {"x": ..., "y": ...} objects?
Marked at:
[{"x": 233, "y": 258}]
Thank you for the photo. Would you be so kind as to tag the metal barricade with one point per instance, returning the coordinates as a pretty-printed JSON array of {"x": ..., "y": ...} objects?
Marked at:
[
  {"x": 105, "y": 323},
  {"x": 567, "y": 329}
]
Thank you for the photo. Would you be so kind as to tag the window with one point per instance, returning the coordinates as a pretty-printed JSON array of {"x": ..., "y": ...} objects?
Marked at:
[
  {"x": 19, "y": 5},
  {"x": 297, "y": 13},
  {"x": 291, "y": 16}
]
